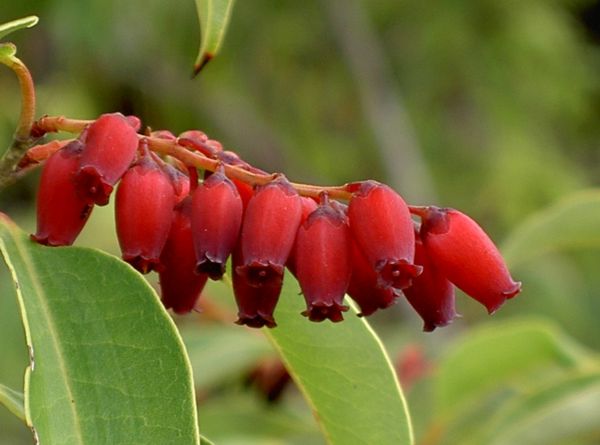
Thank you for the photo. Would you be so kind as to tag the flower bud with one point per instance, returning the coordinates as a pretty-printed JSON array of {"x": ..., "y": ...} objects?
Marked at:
[
  {"x": 270, "y": 224},
  {"x": 61, "y": 212},
  {"x": 143, "y": 213},
  {"x": 431, "y": 294},
  {"x": 464, "y": 253},
  {"x": 323, "y": 264},
  {"x": 180, "y": 286},
  {"x": 109, "y": 149},
  {"x": 216, "y": 221},
  {"x": 255, "y": 304},
  {"x": 363, "y": 286},
  {"x": 382, "y": 226}
]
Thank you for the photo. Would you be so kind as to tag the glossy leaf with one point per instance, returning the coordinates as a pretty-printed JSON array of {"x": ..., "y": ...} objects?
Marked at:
[
  {"x": 25, "y": 22},
  {"x": 106, "y": 362},
  {"x": 492, "y": 357},
  {"x": 214, "y": 17},
  {"x": 344, "y": 373},
  {"x": 570, "y": 223},
  {"x": 12, "y": 400}
]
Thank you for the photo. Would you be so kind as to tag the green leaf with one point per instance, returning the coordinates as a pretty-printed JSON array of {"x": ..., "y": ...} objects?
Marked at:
[
  {"x": 106, "y": 362},
  {"x": 566, "y": 410},
  {"x": 344, "y": 373},
  {"x": 571, "y": 223},
  {"x": 205, "y": 441},
  {"x": 251, "y": 419},
  {"x": 13, "y": 400},
  {"x": 492, "y": 357},
  {"x": 214, "y": 17},
  {"x": 219, "y": 353},
  {"x": 25, "y": 22}
]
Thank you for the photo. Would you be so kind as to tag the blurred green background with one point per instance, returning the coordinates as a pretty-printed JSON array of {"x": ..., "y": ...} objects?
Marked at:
[{"x": 492, "y": 107}]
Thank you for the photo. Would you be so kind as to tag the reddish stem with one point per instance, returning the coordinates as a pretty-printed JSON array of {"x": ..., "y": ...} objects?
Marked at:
[{"x": 196, "y": 159}]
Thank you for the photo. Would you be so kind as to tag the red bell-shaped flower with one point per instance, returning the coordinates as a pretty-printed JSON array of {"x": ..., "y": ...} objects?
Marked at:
[
  {"x": 255, "y": 304},
  {"x": 431, "y": 294},
  {"x": 323, "y": 263},
  {"x": 382, "y": 226},
  {"x": 109, "y": 149},
  {"x": 143, "y": 213},
  {"x": 61, "y": 212},
  {"x": 269, "y": 228},
  {"x": 309, "y": 205},
  {"x": 363, "y": 287},
  {"x": 180, "y": 181},
  {"x": 464, "y": 253},
  {"x": 180, "y": 286},
  {"x": 216, "y": 220}
]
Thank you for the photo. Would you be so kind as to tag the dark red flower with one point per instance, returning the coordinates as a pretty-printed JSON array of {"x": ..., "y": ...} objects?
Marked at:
[
  {"x": 109, "y": 149},
  {"x": 216, "y": 220},
  {"x": 382, "y": 226},
  {"x": 363, "y": 287},
  {"x": 255, "y": 304},
  {"x": 464, "y": 253},
  {"x": 61, "y": 212},
  {"x": 431, "y": 294},
  {"x": 269, "y": 228},
  {"x": 143, "y": 213},
  {"x": 180, "y": 286},
  {"x": 323, "y": 263}
]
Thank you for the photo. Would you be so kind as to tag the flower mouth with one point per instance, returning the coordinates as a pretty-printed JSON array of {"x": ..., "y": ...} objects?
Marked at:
[
  {"x": 398, "y": 274},
  {"x": 259, "y": 274}
]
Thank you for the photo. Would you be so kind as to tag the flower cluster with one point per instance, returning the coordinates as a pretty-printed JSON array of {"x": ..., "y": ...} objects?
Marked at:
[{"x": 375, "y": 248}]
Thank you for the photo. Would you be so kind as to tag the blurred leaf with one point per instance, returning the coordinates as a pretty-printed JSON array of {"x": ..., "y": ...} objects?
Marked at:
[
  {"x": 7, "y": 50},
  {"x": 214, "y": 17},
  {"x": 13, "y": 400},
  {"x": 571, "y": 223},
  {"x": 565, "y": 410},
  {"x": 241, "y": 415},
  {"x": 107, "y": 364},
  {"x": 205, "y": 441},
  {"x": 219, "y": 353},
  {"x": 25, "y": 22},
  {"x": 489, "y": 358},
  {"x": 344, "y": 373}
]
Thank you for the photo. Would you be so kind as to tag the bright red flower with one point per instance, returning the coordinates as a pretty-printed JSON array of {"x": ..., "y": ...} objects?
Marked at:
[
  {"x": 465, "y": 254},
  {"x": 269, "y": 228},
  {"x": 383, "y": 229},
  {"x": 143, "y": 213},
  {"x": 431, "y": 294},
  {"x": 309, "y": 205},
  {"x": 61, "y": 212},
  {"x": 180, "y": 286},
  {"x": 109, "y": 149},
  {"x": 216, "y": 220},
  {"x": 363, "y": 286},
  {"x": 323, "y": 263}
]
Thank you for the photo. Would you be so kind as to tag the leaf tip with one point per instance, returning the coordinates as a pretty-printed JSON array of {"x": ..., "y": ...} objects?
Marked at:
[{"x": 206, "y": 57}]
